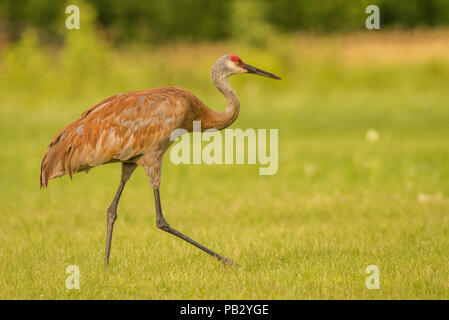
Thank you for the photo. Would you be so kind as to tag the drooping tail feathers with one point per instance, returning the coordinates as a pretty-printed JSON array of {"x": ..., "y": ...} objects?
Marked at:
[{"x": 59, "y": 158}]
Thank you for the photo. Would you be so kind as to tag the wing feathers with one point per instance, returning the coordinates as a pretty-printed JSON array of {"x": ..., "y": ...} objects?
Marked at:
[{"x": 118, "y": 128}]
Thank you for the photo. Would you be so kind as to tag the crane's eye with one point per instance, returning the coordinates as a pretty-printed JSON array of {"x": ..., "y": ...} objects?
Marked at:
[{"x": 237, "y": 62}]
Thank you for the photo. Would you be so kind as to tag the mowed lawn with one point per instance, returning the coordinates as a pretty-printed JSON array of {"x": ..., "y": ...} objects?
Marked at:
[{"x": 340, "y": 201}]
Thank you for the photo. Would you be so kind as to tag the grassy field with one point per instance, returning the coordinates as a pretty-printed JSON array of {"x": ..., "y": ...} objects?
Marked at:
[{"x": 338, "y": 203}]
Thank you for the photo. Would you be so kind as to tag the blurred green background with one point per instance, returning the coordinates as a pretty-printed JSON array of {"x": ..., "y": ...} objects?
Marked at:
[
  {"x": 363, "y": 151},
  {"x": 203, "y": 20}
]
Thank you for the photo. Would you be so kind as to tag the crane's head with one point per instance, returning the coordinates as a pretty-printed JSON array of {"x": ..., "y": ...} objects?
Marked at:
[{"x": 230, "y": 64}]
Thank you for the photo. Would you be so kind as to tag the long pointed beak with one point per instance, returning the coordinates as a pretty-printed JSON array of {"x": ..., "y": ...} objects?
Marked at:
[{"x": 254, "y": 70}]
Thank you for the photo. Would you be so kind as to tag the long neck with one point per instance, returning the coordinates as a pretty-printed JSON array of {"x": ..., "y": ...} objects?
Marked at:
[{"x": 223, "y": 119}]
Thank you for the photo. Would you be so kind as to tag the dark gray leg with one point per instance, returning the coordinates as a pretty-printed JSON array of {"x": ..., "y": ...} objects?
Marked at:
[
  {"x": 163, "y": 225},
  {"x": 127, "y": 170}
]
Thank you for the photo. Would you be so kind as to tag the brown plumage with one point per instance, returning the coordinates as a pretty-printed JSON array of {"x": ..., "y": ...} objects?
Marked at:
[
  {"x": 134, "y": 128},
  {"x": 125, "y": 127}
]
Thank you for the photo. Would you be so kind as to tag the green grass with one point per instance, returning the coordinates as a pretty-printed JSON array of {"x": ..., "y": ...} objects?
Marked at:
[{"x": 337, "y": 204}]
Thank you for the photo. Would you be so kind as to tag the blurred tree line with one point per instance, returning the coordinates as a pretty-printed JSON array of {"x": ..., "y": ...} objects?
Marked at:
[{"x": 206, "y": 20}]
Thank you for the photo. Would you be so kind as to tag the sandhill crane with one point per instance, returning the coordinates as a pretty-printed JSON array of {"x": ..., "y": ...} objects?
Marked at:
[{"x": 134, "y": 128}]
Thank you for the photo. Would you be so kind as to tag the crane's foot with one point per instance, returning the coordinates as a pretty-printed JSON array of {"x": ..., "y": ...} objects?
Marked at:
[{"x": 226, "y": 262}]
